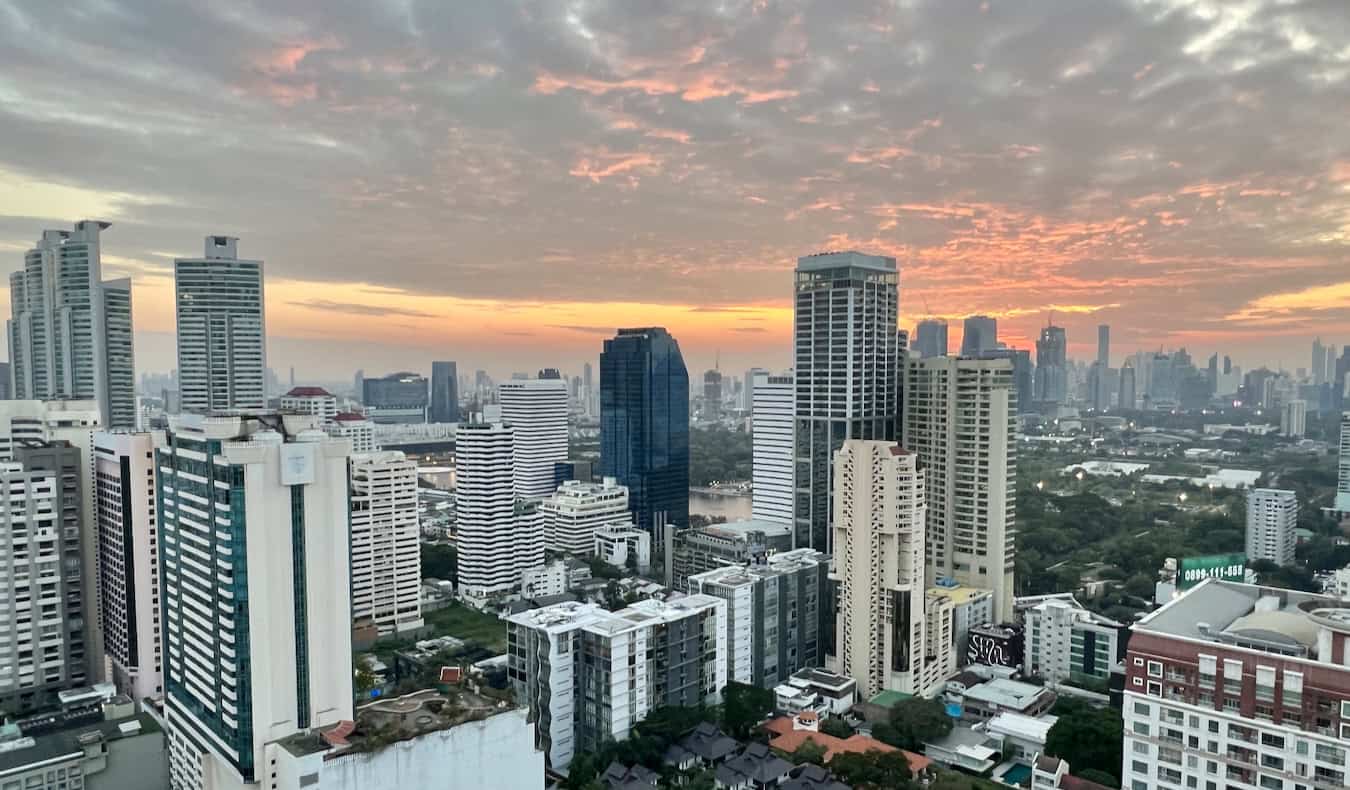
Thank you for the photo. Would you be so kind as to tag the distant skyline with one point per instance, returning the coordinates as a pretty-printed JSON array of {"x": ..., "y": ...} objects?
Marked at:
[{"x": 504, "y": 183}]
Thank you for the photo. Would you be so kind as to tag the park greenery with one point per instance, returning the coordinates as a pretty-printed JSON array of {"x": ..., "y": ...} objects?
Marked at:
[
  {"x": 718, "y": 454},
  {"x": 913, "y": 722},
  {"x": 1089, "y": 739}
]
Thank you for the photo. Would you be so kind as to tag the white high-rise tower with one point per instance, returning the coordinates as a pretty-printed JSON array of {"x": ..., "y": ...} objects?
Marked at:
[
  {"x": 386, "y": 542},
  {"x": 222, "y": 340},
  {"x": 771, "y": 452},
  {"x": 498, "y": 536},
  {"x": 537, "y": 409},
  {"x": 69, "y": 331}
]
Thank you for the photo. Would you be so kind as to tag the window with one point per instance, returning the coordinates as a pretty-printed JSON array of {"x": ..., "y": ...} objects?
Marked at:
[
  {"x": 1155, "y": 669},
  {"x": 1154, "y": 688},
  {"x": 1141, "y": 708}
]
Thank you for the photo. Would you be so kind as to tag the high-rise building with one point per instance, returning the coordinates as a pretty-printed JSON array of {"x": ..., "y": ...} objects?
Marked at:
[
  {"x": 444, "y": 393},
  {"x": 537, "y": 409},
  {"x": 881, "y": 626},
  {"x": 1238, "y": 686},
  {"x": 1343, "y": 464},
  {"x": 1319, "y": 362},
  {"x": 498, "y": 536},
  {"x": 256, "y": 592},
  {"x": 128, "y": 545},
  {"x": 644, "y": 425},
  {"x": 1104, "y": 345},
  {"x": 222, "y": 340},
  {"x": 315, "y": 401},
  {"x": 588, "y": 675},
  {"x": 355, "y": 427},
  {"x": 1066, "y": 642},
  {"x": 1052, "y": 382},
  {"x": 777, "y": 613},
  {"x": 846, "y": 351},
  {"x": 701, "y": 549},
  {"x": 589, "y": 394},
  {"x": 1294, "y": 418},
  {"x": 45, "y": 638},
  {"x": 748, "y": 389},
  {"x": 960, "y": 422},
  {"x": 771, "y": 447},
  {"x": 930, "y": 338},
  {"x": 1099, "y": 387},
  {"x": 1272, "y": 519},
  {"x": 712, "y": 395},
  {"x": 1126, "y": 399},
  {"x": 6, "y": 382},
  {"x": 577, "y": 509},
  {"x": 978, "y": 333},
  {"x": 396, "y": 399},
  {"x": 70, "y": 331},
  {"x": 386, "y": 546}
]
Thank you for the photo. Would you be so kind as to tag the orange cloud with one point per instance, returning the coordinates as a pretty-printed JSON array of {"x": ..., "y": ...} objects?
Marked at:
[{"x": 602, "y": 163}]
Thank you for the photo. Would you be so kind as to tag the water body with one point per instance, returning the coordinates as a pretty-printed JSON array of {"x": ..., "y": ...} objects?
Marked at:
[{"x": 733, "y": 508}]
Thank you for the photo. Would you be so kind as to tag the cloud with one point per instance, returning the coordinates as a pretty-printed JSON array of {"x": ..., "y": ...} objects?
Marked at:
[
  {"x": 353, "y": 308},
  {"x": 594, "y": 330}
]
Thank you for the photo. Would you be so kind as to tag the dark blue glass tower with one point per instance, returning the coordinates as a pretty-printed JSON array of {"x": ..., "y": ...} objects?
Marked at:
[{"x": 644, "y": 424}]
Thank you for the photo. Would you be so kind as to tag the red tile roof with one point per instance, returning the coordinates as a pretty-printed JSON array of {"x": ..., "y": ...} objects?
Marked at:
[
  {"x": 349, "y": 416},
  {"x": 787, "y": 739},
  {"x": 309, "y": 392}
]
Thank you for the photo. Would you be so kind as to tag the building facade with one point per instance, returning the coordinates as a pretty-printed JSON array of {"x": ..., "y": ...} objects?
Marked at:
[
  {"x": 128, "y": 548},
  {"x": 960, "y": 420},
  {"x": 978, "y": 334},
  {"x": 316, "y": 401},
  {"x": 771, "y": 447},
  {"x": 644, "y": 425},
  {"x": 356, "y": 429},
  {"x": 222, "y": 333},
  {"x": 1052, "y": 371},
  {"x": 70, "y": 331},
  {"x": 386, "y": 547},
  {"x": 444, "y": 392},
  {"x": 1272, "y": 521},
  {"x": 1294, "y": 419},
  {"x": 589, "y": 675},
  {"x": 693, "y": 551},
  {"x": 395, "y": 398},
  {"x": 1238, "y": 686},
  {"x": 1343, "y": 466},
  {"x": 930, "y": 338},
  {"x": 1066, "y": 642},
  {"x": 846, "y": 357},
  {"x": 777, "y": 614},
  {"x": 577, "y": 509},
  {"x": 45, "y": 644},
  {"x": 537, "y": 409},
  {"x": 498, "y": 537},
  {"x": 256, "y": 591},
  {"x": 878, "y": 564}
]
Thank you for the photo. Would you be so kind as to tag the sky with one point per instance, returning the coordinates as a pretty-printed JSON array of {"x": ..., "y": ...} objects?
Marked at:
[{"x": 503, "y": 183}]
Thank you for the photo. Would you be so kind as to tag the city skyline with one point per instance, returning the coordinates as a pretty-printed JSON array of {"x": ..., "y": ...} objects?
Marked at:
[{"x": 383, "y": 163}]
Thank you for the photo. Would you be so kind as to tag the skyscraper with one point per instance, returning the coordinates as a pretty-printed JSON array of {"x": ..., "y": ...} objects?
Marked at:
[
  {"x": 386, "y": 547},
  {"x": 46, "y": 632},
  {"x": 1099, "y": 387},
  {"x": 1294, "y": 418},
  {"x": 1272, "y": 518},
  {"x": 879, "y": 565},
  {"x": 771, "y": 448},
  {"x": 930, "y": 338},
  {"x": 845, "y": 352},
  {"x": 256, "y": 646},
  {"x": 644, "y": 424},
  {"x": 1052, "y": 375},
  {"x": 712, "y": 395},
  {"x": 748, "y": 389},
  {"x": 499, "y": 536},
  {"x": 128, "y": 545},
  {"x": 1319, "y": 362},
  {"x": 444, "y": 393},
  {"x": 1104, "y": 345},
  {"x": 222, "y": 341},
  {"x": 961, "y": 424},
  {"x": 979, "y": 333},
  {"x": 589, "y": 395},
  {"x": 69, "y": 330},
  {"x": 537, "y": 409},
  {"x": 1126, "y": 399}
]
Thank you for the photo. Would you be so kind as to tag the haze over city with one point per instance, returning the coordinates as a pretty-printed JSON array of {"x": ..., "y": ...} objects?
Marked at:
[{"x": 508, "y": 182}]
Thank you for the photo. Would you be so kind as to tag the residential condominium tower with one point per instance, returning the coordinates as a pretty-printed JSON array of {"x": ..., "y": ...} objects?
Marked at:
[
  {"x": 930, "y": 338},
  {"x": 256, "y": 591},
  {"x": 1272, "y": 523},
  {"x": 386, "y": 546},
  {"x": 577, "y": 509},
  {"x": 537, "y": 409},
  {"x": 498, "y": 537},
  {"x": 222, "y": 340},
  {"x": 644, "y": 425},
  {"x": 128, "y": 548},
  {"x": 960, "y": 420},
  {"x": 979, "y": 334},
  {"x": 771, "y": 447},
  {"x": 1343, "y": 464},
  {"x": 70, "y": 331},
  {"x": 845, "y": 350}
]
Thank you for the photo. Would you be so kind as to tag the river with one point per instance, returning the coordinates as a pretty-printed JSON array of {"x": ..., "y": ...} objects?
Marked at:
[{"x": 733, "y": 508}]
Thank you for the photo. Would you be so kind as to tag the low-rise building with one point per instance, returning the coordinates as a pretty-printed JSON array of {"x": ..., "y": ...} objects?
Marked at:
[
  {"x": 1066, "y": 642},
  {"x": 777, "y": 611},
  {"x": 825, "y": 693},
  {"x": 624, "y": 546},
  {"x": 1023, "y": 737},
  {"x": 996, "y": 645},
  {"x": 589, "y": 675},
  {"x": 983, "y": 701},
  {"x": 117, "y": 750},
  {"x": 971, "y": 607},
  {"x": 430, "y": 740},
  {"x": 577, "y": 509}
]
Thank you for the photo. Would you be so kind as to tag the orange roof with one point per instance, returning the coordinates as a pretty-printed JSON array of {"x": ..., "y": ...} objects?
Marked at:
[
  {"x": 787, "y": 739},
  {"x": 807, "y": 715}
]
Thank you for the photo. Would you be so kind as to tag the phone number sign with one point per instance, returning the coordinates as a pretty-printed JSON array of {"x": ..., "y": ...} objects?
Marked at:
[{"x": 1228, "y": 567}]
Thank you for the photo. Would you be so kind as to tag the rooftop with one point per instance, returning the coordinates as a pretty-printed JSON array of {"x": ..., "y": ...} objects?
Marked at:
[
  {"x": 784, "y": 737},
  {"x": 309, "y": 392},
  {"x": 1270, "y": 619},
  {"x": 1004, "y": 693},
  {"x": 18, "y": 751},
  {"x": 739, "y": 530},
  {"x": 1031, "y": 728},
  {"x": 571, "y": 615},
  {"x": 833, "y": 259},
  {"x": 773, "y": 565},
  {"x": 960, "y": 594}
]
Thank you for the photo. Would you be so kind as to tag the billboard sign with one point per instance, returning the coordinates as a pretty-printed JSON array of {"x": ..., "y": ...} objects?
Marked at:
[{"x": 1228, "y": 567}]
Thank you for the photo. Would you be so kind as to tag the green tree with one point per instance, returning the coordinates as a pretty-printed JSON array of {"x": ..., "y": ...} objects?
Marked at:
[
  {"x": 837, "y": 727},
  {"x": 914, "y": 722},
  {"x": 808, "y": 752},
  {"x": 1098, "y": 776},
  {"x": 873, "y": 770},
  {"x": 669, "y": 723},
  {"x": 744, "y": 706},
  {"x": 1087, "y": 737},
  {"x": 440, "y": 561}
]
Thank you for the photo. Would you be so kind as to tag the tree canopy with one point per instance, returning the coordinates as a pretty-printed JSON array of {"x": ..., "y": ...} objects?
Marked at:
[
  {"x": 914, "y": 722},
  {"x": 1087, "y": 737}
]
